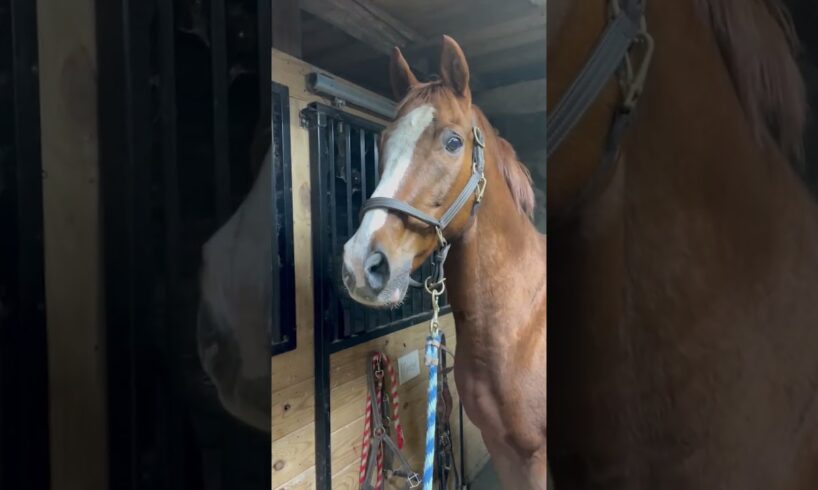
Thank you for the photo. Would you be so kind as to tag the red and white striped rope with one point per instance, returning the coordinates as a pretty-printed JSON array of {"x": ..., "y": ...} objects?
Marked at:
[{"x": 380, "y": 360}]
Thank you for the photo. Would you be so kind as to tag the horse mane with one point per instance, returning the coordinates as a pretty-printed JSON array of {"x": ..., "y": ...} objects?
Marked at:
[
  {"x": 516, "y": 175},
  {"x": 758, "y": 41}
]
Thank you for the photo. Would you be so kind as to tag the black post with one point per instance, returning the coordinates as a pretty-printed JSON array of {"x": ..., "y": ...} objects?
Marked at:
[
  {"x": 123, "y": 39},
  {"x": 24, "y": 420},
  {"x": 221, "y": 135}
]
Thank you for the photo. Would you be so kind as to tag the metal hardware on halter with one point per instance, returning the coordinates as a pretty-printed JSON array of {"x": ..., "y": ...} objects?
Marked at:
[
  {"x": 436, "y": 290},
  {"x": 627, "y": 27},
  {"x": 611, "y": 56},
  {"x": 632, "y": 84}
]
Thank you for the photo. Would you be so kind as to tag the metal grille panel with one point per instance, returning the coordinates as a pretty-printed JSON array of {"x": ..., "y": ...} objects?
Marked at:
[{"x": 344, "y": 160}]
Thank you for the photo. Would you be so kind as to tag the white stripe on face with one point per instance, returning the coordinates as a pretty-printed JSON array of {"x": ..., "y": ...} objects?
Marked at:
[{"x": 397, "y": 154}]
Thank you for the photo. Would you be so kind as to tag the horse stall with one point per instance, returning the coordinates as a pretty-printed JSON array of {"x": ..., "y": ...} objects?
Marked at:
[
  {"x": 176, "y": 239},
  {"x": 331, "y": 99}
]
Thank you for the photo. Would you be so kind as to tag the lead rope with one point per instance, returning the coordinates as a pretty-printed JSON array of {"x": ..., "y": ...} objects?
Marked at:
[{"x": 432, "y": 360}]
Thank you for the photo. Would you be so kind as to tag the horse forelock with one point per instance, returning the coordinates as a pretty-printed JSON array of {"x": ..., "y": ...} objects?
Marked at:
[
  {"x": 515, "y": 174},
  {"x": 759, "y": 44}
]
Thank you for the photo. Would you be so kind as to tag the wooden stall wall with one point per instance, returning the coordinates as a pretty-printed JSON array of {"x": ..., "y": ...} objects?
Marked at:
[
  {"x": 292, "y": 424},
  {"x": 76, "y": 348}
]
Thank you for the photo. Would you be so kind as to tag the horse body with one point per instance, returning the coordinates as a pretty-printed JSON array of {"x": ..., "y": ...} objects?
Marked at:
[
  {"x": 497, "y": 291},
  {"x": 683, "y": 355},
  {"x": 496, "y": 273}
]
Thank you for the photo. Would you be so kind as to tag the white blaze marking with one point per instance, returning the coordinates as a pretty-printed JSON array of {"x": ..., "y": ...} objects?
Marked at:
[{"x": 400, "y": 147}]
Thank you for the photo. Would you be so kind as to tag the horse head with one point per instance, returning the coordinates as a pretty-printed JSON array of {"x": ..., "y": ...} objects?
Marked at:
[{"x": 427, "y": 162}]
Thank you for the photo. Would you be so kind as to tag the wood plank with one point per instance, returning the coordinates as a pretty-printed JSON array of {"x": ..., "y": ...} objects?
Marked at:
[
  {"x": 346, "y": 443},
  {"x": 469, "y": 36},
  {"x": 304, "y": 481},
  {"x": 293, "y": 407},
  {"x": 505, "y": 42},
  {"x": 364, "y": 21},
  {"x": 293, "y": 455},
  {"x": 71, "y": 221},
  {"x": 347, "y": 478},
  {"x": 519, "y": 98},
  {"x": 507, "y": 59},
  {"x": 468, "y": 16},
  {"x": 287, "y": 26},
  {"x": 297, "y": 365}
]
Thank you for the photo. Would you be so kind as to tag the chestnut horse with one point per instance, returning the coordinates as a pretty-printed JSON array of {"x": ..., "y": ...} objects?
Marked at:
[
  {"x": 496, "y": 271},
  {"x": 685, "y": 316}
]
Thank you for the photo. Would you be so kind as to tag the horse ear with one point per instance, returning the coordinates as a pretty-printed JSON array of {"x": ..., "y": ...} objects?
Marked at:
[
  {"x": 400, "y": 74},
  {"x": 453, "y": 67}
]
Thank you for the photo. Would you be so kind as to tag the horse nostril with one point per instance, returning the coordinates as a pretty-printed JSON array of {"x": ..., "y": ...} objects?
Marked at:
[{"x": 376, "y": 269}]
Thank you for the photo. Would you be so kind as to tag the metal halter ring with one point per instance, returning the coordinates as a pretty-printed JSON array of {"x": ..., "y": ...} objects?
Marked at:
[
  {"x": 478, "y": 136},
  {"x": 433, "y": 288}
]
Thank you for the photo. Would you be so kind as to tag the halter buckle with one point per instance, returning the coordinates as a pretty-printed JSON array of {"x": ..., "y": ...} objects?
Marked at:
[
  {"x": 440, "y": 238},
  {"x": 636, "y": 81},
  {"x": 481, "y": 188}
]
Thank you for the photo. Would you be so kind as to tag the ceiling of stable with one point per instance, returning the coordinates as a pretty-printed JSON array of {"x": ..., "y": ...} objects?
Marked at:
[{"x": 504, "y": 40}]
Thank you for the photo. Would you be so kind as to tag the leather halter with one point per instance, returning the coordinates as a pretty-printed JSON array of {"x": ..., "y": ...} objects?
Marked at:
[
  {"x": 475, "y": 186},
  {"x": 611, "y": 55}
]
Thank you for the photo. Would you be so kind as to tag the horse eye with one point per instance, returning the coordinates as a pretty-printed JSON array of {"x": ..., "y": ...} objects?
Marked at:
[{"x": 453, "y": 144}]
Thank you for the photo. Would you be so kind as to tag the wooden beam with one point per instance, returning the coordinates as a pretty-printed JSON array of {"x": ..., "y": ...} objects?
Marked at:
[
  {"x": 364, "y": 21},
  {"x": 508, "y": 59},
  {"x": 518, "y": 98},
  {"x": 474, "y": 40},
  {"x": 72, "y": 225},
  {"x": 287, "y": 27}
]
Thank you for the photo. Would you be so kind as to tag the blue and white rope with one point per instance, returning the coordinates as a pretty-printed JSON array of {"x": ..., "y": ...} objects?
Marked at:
[{"x": 432, "y": 343}]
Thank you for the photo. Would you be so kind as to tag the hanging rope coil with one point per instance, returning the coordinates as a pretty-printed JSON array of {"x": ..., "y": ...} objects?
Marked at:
[{"x": 376, "y": 423}]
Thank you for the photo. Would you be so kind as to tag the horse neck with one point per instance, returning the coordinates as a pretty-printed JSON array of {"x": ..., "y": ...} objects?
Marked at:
[
  {"x": 496, "y": 268},
  {"x": 695, "y": 197},
  {"x": 693, "y": 148}
]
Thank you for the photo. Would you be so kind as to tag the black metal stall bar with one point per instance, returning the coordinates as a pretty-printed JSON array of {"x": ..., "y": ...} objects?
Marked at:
[{"x": 24, "y": 416}]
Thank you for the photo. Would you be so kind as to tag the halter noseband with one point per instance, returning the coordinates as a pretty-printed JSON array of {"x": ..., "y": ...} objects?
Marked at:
[{"x": 476, "y": 185}]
